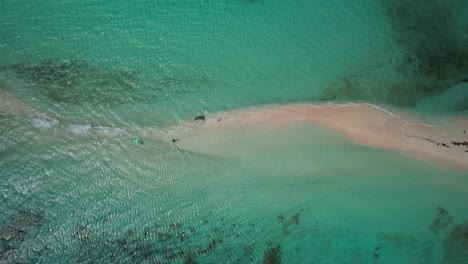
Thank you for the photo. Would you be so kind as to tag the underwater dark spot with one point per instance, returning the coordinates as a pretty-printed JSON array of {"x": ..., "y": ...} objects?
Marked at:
[
  {"x": 146, "y": 232},
  {"x": 442, "y": 220},
  {"x": 122, "y": 244},
  {"x": 142, "y": 252},
  {"x": 456, "y": 244},
  {"x": 200, "y": 117},
  {"x": 376, "y": 255},
  {"x": 176, "y": 225},
  {"x": 164, "y": 236},
  {"x": 198, "y": 248},
  {"x": 248, "y": 250},
  {"x": 272, "y": 255},
  {"x": 211, "y": 247},
  {"x": 137, "y": 241},
  {"x": 217, "y": 230},
  {"x": 181, "y": 236},
  {"x": 169, "y": 254},
  {"x": 294, "y": 219},
  {"x": 330, "y": 98},
  {"x": 190, "y": 258},
  {"x": 130, "y": 233},
  {"x": 281, "y": 218},
  {"x": 174, "y": 140}
]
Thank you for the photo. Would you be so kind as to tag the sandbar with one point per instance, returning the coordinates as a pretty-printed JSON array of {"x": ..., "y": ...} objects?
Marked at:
[{"x": 443, "y": 142}]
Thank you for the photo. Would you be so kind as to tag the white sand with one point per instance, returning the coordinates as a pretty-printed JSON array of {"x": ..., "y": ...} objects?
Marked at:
[{"x": 365, "y": 124}]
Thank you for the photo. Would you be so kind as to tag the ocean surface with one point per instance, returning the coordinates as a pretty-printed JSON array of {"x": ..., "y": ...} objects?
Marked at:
[{"x": 76, "y": 185}]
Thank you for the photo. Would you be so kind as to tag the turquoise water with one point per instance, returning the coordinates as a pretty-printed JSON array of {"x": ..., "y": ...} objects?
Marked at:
[{"x": 71, "y": 197}]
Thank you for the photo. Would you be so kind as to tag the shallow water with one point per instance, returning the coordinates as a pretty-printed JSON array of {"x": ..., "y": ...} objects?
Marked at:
[{"x": 75, "y": 188}]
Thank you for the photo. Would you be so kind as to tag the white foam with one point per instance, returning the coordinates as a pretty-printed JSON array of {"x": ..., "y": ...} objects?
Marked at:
[{"x": 45, "y": 123}]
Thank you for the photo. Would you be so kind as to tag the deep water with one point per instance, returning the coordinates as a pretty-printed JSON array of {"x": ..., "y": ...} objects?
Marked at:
[{"x": 79, "y": 190}]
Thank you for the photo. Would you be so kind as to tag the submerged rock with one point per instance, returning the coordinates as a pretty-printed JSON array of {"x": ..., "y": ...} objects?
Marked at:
[
  {"x": 273, "y": 255},
  {"x": 138, "y": 141},
  {"x": 200, "y": 117}
]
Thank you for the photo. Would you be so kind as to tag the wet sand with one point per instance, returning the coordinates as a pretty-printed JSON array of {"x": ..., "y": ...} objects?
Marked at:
[{"x": 444, "y": 143}]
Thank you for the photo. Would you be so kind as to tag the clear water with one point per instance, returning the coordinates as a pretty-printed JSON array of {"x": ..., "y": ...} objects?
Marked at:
[{"x": 99, "y": 198}]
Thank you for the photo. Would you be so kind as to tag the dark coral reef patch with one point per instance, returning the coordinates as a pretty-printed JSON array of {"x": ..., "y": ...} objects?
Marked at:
[
  {"x": 442, "y": 221},
  {"x": 273, "y": 255},
  {"x": 77, "y": 82},
  {"x": 456, "y": 245},
  {"x": 13, "y": 235},
  {"x": 434, "y": 56}
]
